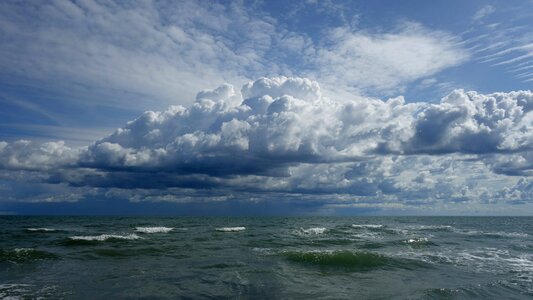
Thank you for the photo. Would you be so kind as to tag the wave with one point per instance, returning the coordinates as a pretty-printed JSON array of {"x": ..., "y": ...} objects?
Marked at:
[
  {"x": 433, "y": 227},
  {"x": 156, "y": 229},
  {"x": 497, "y": 234},
  {"x": 127, "y": 252},
  {"x": 418, "y": 242},
  {"x": 369, "y": 236},
  {"x": 311, "y": 231},
  {"x": 104, "y": 237},
  {"x": 223, "y": 266},
  {"x": 89, "y": 239},
  {"x": 352, "y": 260},
  {"x": 43, "y": 229},
  {"x": 367, "y": 226},
  {"x": 19, "y": 255},
  {"x": 230, "y": 229},
  {"x": 507, "y": 234}
]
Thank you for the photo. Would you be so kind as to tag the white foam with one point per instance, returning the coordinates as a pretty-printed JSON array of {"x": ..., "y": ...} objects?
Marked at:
[
  {"x": 230, "y": 229},
  {"x": 41, "y": 229},
  {"x": 367, "y": 225},
  {"x": 19, "y": 250},
  {"x": 433, "y": 227},
  {"x": 497, "y": 233},
  {"x": 417, "y": 240},
  {"x": 9, "y": 291},
  {"x": 507, "y": 234},
  {"x": 313, "y": 230},
  {"x": 264, "y": 251},
  {"x": 156, "y": 229},
  {"x": 104, "y": 237}
]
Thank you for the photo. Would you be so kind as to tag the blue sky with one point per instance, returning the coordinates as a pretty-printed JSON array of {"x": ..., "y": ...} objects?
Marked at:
[{"x": 274, "y": 107}]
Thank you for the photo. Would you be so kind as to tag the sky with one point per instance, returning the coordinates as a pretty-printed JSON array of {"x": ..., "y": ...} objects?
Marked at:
[{"x": 266, "y": 107}]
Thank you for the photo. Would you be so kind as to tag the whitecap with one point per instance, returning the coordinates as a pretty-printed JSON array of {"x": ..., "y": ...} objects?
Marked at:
[
  {"x": 42, "y": 229},
  {"x": 417, "y": 240},
  {"x": 155, "y": 229},
  {"x": 497, "y": 233},
  {"x": 230, "y": 229},
  {"x": 433, "y": 227},
  {"x": 104, "y": 237},
  {"x": 313, "y": 230},
  {"x": 367, "y": 225},
  {"x": 263, "y": 251}
]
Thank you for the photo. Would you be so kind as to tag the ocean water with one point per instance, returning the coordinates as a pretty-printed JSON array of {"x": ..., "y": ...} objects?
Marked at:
[{"x": 266, "y": 257}]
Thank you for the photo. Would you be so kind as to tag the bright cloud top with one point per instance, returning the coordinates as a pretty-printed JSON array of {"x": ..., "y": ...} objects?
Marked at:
[{"x": 283, "y": 121}]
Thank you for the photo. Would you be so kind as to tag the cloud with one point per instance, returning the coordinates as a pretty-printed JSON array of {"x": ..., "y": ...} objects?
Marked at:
[
  {"x": 470, "y": 122},
  {"x": 505, "y": 44},
  {"x": 282, "y": 136},
  {"x": 483, "y": 12},
  {"x": 152, "y": 54},
  {"x": 26, "y": 155},
  {"x": 284, "y": 121},
  {"x": 385, "y": 62}
]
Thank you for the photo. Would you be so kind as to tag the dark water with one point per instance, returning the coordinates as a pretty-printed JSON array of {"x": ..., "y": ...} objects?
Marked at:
[{"x": 296, "y": 257}]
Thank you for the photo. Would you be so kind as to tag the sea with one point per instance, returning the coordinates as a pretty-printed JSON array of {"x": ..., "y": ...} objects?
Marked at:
[{"x": 266, "y": 257}]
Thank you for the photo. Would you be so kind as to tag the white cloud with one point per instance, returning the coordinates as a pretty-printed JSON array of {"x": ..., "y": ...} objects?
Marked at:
[
  {"x": 151, "y": 54},
  {"x": 385, "y": 62},
  {"x": 284, "y": 121},
  {"x": 483, "y": 12},
  {"x": 282, "y": 135},
  {"x": 26, "y": 155}
]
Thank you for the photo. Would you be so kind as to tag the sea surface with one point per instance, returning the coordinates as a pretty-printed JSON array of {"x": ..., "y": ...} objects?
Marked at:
[{"x": 266, "y": 257}]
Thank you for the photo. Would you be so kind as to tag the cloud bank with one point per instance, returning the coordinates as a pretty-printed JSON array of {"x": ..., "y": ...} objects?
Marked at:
[{"x": 282, "y": 136}]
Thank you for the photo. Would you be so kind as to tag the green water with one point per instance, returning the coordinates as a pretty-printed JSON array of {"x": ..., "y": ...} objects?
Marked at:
[{"x": 270, "y": 258}]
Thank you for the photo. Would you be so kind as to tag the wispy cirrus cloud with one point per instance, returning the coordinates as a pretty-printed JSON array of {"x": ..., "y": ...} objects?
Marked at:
[{"x": 503, "y": 42}]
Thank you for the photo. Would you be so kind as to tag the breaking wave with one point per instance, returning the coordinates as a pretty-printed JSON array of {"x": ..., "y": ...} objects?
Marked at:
[
  {"x": 419, "y": 241},
  {"x": 230, "y": 229},
  {"x": 156, "y": 229},
  {"x": 370, "y": 226},
  {"x": 105, "y": 237},
  {"x": 90, "y": 239},
  {"x": 311, "y": 231}
]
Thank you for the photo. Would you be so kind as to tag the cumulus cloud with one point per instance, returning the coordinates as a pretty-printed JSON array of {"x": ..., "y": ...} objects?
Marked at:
[
  {"x": 470, "y": 122},
  {"x": 27, "y": 155},
  {"x": 285, "y": 121},
  {"x": 282, "y": 135}
]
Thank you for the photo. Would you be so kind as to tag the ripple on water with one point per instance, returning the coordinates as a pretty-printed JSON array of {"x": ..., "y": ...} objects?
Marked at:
[{"x": 21, "y": 255}]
